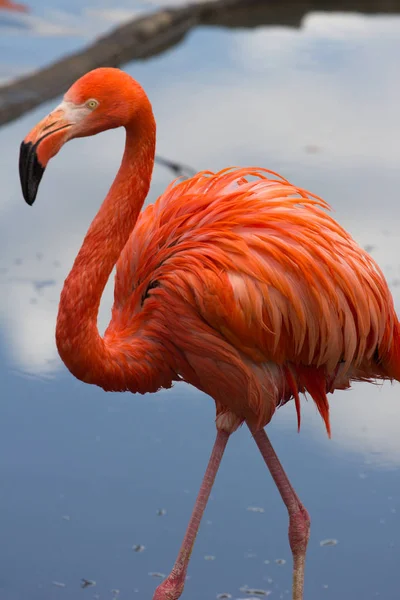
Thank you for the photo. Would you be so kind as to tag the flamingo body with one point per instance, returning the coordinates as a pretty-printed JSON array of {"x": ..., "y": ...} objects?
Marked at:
[{"x": 256, "y": 294}]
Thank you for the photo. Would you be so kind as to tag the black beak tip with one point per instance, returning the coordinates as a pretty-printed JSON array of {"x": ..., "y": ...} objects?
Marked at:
[{"x": 30, "y": 171}]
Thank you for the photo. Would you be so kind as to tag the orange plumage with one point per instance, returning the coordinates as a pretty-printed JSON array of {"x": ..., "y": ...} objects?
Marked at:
[
  {"x": 237, "y": 282},
  {"x": 266, "y": 294}
]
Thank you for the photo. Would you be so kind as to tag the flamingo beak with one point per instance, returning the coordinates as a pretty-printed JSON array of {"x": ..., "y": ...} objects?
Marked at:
[{"x": 39, "y": 146}]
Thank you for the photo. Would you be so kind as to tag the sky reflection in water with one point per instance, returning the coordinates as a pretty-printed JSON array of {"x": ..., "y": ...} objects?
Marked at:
[{"x": 83, "y": 472}]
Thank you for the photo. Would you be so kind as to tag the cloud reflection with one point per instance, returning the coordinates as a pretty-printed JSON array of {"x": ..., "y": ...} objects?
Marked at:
[{"x": 88, "y": 23}]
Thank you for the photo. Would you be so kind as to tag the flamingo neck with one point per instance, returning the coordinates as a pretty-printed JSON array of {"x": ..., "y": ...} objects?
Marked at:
[{"x": 82, "y": 349}]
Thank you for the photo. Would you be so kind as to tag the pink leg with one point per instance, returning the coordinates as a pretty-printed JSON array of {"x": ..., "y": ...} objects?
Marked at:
[
  {"x": 299, "y": 520},
  {"x": 172, "y": 587}
]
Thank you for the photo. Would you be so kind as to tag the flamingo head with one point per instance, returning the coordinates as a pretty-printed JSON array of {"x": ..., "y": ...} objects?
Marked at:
[{"x": 102, "y": 99}]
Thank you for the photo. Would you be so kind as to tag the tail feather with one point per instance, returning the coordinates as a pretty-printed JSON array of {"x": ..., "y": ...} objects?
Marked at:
[
  {"x": 391, "y": 362},
  {"x": 291, "y": 381},
  {"x": 313, "y": 380}
]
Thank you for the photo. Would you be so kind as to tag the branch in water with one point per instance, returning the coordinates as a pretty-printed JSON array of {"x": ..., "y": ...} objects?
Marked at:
[
  {"x": 152, "y": 34},
  {"x": 178, "y": 169}
]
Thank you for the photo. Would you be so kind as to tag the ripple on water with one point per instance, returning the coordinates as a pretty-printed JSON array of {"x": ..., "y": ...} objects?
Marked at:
[
  {"x": 329, "y": 542},
  {"x": 254, "y": 592}
]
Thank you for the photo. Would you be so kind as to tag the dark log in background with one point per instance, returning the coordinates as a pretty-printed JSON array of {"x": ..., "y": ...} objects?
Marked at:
[{"x": 152, "y": 34}]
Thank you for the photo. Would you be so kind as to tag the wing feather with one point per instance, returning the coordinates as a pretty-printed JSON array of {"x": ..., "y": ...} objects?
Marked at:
[{"x": 265, "y": 266}]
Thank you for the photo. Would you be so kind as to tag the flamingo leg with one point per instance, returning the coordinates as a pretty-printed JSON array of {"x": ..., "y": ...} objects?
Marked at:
[
  {"x": 172, "y": 587},
  {"x": 299, "y": 520}
]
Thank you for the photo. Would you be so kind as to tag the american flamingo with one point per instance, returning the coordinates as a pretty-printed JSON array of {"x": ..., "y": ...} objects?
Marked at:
[{"x": 236, "y": 282}]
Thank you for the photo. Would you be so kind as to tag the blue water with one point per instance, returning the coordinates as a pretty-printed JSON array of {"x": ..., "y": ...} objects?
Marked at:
[{"x": 83, "y": 473}]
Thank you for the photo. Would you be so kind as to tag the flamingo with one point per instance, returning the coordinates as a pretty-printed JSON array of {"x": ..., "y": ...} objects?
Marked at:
[{"x": 236, "y": 282}]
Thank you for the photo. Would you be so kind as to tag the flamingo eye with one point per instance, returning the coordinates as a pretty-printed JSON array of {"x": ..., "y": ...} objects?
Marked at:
[{"x": 92, "y": 104}]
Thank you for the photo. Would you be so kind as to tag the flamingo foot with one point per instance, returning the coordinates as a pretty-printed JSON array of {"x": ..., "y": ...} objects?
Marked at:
[{"x": 170, "y": 589}]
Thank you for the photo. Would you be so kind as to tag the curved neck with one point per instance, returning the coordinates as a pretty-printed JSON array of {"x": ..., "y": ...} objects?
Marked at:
[{"x": 80, "y": 346}]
